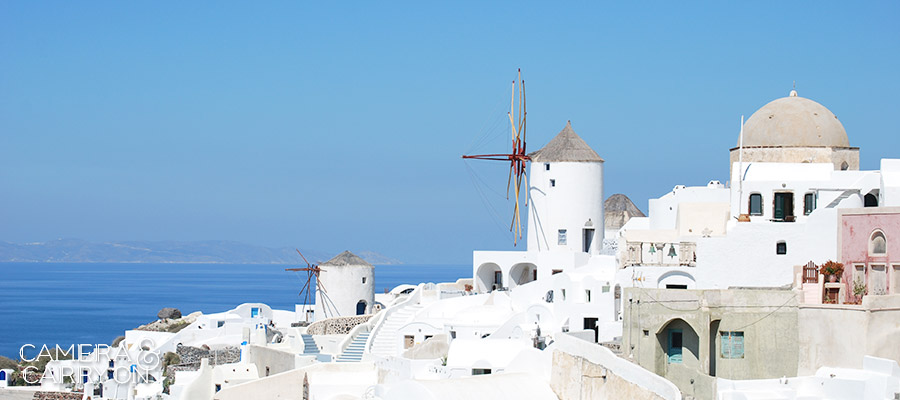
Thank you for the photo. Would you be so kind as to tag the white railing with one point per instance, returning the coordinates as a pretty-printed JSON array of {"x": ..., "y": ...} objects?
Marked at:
[
  {"x": 378, "y": 321},
  {"x": 358, "y": 329}
]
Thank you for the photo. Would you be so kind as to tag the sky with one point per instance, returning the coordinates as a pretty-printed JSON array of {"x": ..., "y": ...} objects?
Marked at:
[{"x": 332, "y": 126}]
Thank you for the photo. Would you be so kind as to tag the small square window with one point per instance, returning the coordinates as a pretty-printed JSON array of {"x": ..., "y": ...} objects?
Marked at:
[
  {"x": 646, "y": 333},
  {"x": 781, "y": 248},
  {"x": 220, "y": 324},
  {"x": 561, "y": 237},
  {"x": 546, "y": 166},
  {"x": 553, "y": 183}
]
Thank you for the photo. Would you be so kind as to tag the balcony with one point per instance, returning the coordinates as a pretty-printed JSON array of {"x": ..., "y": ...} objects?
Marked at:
[{"x": 681, "y": 254}]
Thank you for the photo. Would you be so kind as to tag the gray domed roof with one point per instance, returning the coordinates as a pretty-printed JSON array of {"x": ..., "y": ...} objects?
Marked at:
[
  {"x": 346, "y": 259},
  {"x": 566, "y": 146},
  {"x": 794, "y": 121}
]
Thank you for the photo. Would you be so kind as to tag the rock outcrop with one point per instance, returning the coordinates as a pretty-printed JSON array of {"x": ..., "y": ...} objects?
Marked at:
[{"x": 169, "y": 313}]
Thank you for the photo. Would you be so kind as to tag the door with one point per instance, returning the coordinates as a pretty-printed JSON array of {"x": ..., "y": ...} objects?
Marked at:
[
  {"x": 498, "y": 279},
  {"x": 361, "y": 307},
  {"x": 675, "y": 343},
  {"x": 588, "y": 239},
  {"x": 591, "y": 323},
  {"x": 784, "y": 206}
]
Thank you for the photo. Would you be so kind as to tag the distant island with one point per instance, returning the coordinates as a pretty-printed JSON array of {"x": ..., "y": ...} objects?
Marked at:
[{"x": 218, "y": 252}]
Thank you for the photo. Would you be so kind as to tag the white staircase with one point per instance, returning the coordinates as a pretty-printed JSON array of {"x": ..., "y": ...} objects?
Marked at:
[
  {"x": 309, "y": 345},
  {"x": 354, "y": 352},
  {"x": 387, "y": 338}
]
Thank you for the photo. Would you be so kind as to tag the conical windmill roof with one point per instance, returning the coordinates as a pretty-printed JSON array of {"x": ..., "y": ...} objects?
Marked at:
[
  {"x": 346, "y": 259},
  {"x": 566, "y": 146}
]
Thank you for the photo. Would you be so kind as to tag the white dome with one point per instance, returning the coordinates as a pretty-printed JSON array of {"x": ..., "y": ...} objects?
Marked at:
[{"x": 794, "y": 121}]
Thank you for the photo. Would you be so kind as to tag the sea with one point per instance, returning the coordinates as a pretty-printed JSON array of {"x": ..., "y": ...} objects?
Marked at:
[{"x": 93, "y": 303}]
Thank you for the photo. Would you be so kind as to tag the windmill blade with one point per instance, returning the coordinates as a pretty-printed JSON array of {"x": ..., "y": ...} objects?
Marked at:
[
  {"x": 509, "y": 180},
  {"x": 304, "y": 258}
]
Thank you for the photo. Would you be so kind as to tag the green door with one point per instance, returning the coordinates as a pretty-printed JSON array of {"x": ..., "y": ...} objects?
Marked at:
[{"x": 675, "y": 342}]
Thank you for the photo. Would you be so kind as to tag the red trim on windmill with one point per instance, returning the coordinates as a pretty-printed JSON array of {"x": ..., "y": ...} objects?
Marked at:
[{"x": 517, "y": 158}]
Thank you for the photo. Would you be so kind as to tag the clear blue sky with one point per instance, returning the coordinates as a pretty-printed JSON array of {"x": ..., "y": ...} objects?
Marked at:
[{"x": 340, "y": 127}]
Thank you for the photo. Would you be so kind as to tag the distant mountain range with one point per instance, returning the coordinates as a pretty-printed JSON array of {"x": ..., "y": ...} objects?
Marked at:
[{"x": 81, "y": 251}]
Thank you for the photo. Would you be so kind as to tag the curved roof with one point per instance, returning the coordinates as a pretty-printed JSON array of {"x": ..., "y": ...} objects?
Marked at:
[
  {"x": 794, "y": 121},
  {"x": 566, "y": 146}
]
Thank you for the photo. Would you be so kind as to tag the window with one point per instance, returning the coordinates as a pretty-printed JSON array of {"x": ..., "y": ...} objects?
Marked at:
[
  {"x": 452, "y": 334},
  {"x": 732, "y": 344},
  {"x": 553, "y": 183},
  {"x": 587, "y": 296},
  {"x": 561, "y": 237},
  {"x": 877, "y": 244},
  {"x": 218, "y": 387},
  {"x": 220, "y": 324},
  {"x": 781, "y": 248},
  {"x": 845, "y": 166},
  {"x": 670, "y": 286},
  {"x": 254, "y": 312},
  {"x": 562, "y": 294},
  {"x": 809, "y": 203},
  {"x": 870, "y": 200},
  {"x": 481, "y": 371},
  {"x": 546, "y": 166},
  {"x": 755, "y": 204},
  {"x": 555, "y": 271},
  {"x": 364, "y": 280}
]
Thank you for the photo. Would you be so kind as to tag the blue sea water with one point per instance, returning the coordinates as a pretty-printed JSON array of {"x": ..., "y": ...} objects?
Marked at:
[{"x": 59, "y": 303}]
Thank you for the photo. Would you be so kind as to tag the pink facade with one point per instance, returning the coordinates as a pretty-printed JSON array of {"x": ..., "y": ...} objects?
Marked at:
[{"x": 870, "y": 250}]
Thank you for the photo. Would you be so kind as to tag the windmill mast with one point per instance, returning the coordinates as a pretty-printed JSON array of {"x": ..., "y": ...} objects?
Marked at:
[{"x": 517, "y": 157}]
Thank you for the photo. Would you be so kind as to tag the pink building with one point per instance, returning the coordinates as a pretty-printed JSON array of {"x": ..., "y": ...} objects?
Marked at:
[{"x": 869, "y": 248}]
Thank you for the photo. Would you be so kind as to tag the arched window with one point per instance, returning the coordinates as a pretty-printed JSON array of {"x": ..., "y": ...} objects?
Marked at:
[
  {"x": 361, "y": 307},
  {"x": 877, "y": 244},
  {"x": 809, "y": 203},
  {"x": 870, "y": 200},
  {"x": 756, "y": 204}
]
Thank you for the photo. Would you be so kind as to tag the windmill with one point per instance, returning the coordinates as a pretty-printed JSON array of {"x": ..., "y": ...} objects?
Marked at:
[
  {"x": 312, "y": 271},
  {"x": 517, "y": 157}
]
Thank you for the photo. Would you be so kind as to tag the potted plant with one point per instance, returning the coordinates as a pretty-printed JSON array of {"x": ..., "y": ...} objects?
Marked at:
[
  {"x": 832, "y": 270},
  {"x": 859, "y": 288}
]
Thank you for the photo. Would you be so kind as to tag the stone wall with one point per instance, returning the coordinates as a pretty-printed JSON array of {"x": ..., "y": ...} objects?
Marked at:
[
  {"x": 574, "y": 378},
  {"x": 57, "y": 396},
  {"x": 191, "y": 356},
  {"x": 337, "y": 325}
]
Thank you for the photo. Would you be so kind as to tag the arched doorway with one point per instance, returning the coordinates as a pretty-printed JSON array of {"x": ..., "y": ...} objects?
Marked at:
[
  {"x": 361, "y": 307},
  {"x": 488, "y": 278},
  {"x": 680, "y": 345},
  {"x": 521, "y": 274},
  {"x": 870, "y": 200}
]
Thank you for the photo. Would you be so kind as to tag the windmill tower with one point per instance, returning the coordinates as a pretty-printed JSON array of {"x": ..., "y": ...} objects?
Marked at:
[
  {"x": 566, "y": 196},
  {"x": 350, "y": 283}
]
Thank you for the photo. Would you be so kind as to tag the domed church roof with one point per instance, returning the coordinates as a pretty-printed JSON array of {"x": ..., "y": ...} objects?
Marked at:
[{"x": 794, "y": 121}]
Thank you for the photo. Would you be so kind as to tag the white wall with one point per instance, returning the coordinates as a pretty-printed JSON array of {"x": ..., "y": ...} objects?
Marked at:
[
  {"x": 345, "y": 288},
  {"x": 576, "y": 198}
]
